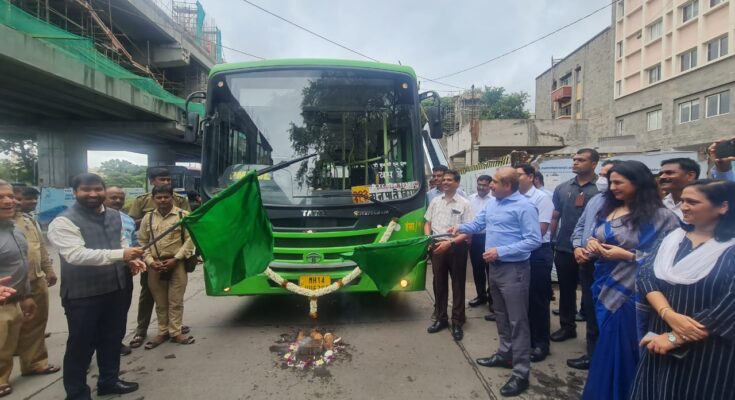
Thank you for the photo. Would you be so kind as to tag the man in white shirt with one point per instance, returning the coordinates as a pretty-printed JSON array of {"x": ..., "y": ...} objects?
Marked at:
[
  {"x": 479, "y": 201},
  {"x": 94, "y": 287},
  {"x": 541, "y": 261},
  {"x": 675, "y": 174},
  {"x": 449, "y": 255},
  {"x": 437, "y": 187}
]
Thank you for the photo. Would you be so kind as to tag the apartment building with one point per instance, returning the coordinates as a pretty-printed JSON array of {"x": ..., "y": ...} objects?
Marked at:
[
  {"x": 674, "y": 73},
  {"x": 579, "y": 87}
]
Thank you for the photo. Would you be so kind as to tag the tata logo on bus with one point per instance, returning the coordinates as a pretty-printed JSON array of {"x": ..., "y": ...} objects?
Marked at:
[
  {"x": 313, "y": 257},
  {"x": 313, "y": 213}
]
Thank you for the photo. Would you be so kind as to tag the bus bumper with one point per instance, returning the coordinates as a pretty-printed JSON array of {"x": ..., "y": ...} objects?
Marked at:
[{"x": 261, "y": 284}]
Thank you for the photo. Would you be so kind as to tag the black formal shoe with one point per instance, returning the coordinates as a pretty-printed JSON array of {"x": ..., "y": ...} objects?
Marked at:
[
  {"x": 579, "y": 317},
  {"x": 437, "y": 326},
  {"x": 579, "y": 363},
  {"x": 121, "y": 387},
  {"x": 514, "y": 386},
  {"x": 125, "y": 350},
  {"x": 555, "y": 311},
  {"x": 457, "y": 332},
  {"x": 490, "y": 317},
  {"x": 496, "y": 360},
  {"x": 563, "y": 334},
  {"x": 477, "y": 301},
  {"x": 538, "y": 354}
]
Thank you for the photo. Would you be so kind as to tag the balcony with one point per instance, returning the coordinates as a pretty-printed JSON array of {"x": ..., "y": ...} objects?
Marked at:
[{"x": 561, "y": 94}]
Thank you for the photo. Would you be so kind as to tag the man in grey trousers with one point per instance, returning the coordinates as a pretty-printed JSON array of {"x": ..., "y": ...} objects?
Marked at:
[{"x": 512, "y": 232}]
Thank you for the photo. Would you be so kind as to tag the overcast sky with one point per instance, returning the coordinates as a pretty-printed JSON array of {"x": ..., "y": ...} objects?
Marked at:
[{"x": 434, "y": 37}]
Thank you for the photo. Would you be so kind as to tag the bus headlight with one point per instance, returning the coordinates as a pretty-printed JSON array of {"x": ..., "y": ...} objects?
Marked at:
[{"x": 404, "y": 283}]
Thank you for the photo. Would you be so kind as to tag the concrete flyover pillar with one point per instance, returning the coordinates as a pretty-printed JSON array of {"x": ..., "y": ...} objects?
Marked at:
[
  {"x": 60, "y": 157},
  {"x": 161, "y": 155}
]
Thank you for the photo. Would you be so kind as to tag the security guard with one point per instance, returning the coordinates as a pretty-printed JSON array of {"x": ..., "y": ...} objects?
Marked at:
[
  {"x": 31, "y": 342},
  {"x": 158, "y": 177}
]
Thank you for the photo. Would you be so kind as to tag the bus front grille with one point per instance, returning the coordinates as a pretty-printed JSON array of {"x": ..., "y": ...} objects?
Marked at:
[{"x": 306, "y": 242}]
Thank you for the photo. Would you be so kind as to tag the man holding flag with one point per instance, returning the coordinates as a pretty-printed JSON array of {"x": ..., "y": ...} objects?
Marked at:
[{"x": 449, "y": 256}]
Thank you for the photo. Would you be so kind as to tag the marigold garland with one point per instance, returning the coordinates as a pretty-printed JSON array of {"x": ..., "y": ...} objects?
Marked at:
[{"x": 314, "y": 295}]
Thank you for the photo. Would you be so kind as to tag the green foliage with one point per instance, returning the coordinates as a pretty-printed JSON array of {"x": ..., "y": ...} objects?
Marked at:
[
  {"x": 340, "y": 125},
  {"x": 21, "y": 164},
  {"x": 123, "y": 173},
  {"x": 497, "y": 104}
]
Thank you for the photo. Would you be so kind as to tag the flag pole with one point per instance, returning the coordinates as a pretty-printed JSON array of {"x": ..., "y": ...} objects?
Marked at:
[
  {"x": 162, "y": 235},
  {"x": 280, "y": 165}
]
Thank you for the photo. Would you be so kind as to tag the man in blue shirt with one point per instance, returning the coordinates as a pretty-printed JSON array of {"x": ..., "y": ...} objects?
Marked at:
[{"x": 512, "y": 232}]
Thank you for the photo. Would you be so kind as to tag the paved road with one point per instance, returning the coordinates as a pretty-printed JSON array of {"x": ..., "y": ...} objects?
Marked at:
[{"x": 391, "y": 355}]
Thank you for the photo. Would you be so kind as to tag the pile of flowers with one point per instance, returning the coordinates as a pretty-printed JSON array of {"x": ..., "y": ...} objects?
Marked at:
[{"x": 311, "y": 351}]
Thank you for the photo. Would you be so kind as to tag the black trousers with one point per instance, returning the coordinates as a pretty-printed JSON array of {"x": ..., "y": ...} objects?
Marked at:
[
  {"x": 539, "y": 296},
  {"x": 567, "y": 271},
  {"x": 95, "y": 324},
  {"x": 586, "y": 277},
  {"x": 453, "y": 263},
  {"x": 480, "y": 267}
]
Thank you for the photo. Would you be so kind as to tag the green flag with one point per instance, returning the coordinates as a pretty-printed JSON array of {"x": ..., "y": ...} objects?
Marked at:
[
  {"x": 387, "y": 263},
  {"x": 233, "y": 234}
]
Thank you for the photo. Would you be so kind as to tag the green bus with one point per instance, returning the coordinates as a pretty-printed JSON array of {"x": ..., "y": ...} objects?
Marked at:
[{"x": 356, "y": 128}]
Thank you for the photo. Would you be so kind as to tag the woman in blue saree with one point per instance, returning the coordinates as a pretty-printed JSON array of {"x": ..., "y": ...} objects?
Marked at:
[{"x": 628, "y": 225}]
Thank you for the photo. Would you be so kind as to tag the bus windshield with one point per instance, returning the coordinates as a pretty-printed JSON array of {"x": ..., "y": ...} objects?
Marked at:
[{"x": 359, "y": 124}]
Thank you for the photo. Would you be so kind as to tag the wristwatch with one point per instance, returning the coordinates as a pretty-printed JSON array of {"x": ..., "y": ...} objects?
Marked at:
[{"x": 671, "y": 337}]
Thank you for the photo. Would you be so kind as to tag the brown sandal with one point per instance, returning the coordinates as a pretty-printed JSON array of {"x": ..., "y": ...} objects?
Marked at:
[
  {"x": 5, "y": 390},
  {"x": 183, "y": 339},
  {"x": 50, "y": 369},
  {"x": 137, "y": 341},
  {"x": 157, "y": 341}
]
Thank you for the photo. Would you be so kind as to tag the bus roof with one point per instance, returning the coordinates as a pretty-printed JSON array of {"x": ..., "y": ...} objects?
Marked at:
[{"x": 298, "y": 62}]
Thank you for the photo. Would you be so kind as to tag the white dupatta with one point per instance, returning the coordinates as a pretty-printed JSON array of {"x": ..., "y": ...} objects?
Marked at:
[{"x": 694, "y": 266}]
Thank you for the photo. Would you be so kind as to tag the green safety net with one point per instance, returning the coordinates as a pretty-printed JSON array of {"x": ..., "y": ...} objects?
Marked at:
[{"x": 82, "y": 49}]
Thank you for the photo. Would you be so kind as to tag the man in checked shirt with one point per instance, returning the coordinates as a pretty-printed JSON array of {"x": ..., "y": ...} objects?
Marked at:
[{"x": 449, "y": 254}]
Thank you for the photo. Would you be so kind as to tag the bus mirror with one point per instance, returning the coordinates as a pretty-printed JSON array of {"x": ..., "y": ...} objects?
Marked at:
[
  {"x": 433, "y": 113},
  {"x": 191, "y": 131}
]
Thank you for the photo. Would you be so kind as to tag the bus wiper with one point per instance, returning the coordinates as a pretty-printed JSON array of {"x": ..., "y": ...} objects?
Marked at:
[
  {"x": 366, "y": 197},
  {"x": 283, "y": 164}
]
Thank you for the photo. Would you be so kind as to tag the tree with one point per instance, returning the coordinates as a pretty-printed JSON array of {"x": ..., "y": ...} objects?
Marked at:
[
  {"x": 341, "y": 125},
  {"x": 122, "y": 173},
  {"x": 23, "y": 157},
  {"x": 496, "y": 104}
]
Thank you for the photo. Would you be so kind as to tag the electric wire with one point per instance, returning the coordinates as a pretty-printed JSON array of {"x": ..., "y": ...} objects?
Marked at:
[
  {"x": 509, "y": 52},
  {"x": 286, "y": 20}
]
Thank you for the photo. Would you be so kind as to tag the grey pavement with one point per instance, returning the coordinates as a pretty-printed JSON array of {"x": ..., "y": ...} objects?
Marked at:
[{"x": 391, "y": 355}]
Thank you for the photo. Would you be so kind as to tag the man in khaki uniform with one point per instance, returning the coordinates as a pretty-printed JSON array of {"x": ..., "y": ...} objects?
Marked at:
[
  {"x": 158, "y": 177},
  {"x": 18, "y": 306},
  {"x": 167, "y": 277},
  {"x": 142, "y": 204},
  {"x": 31, "y": 343}
]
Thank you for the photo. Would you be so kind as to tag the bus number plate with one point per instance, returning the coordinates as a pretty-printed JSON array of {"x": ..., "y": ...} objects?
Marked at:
[{"x": 314, "y": 282}]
